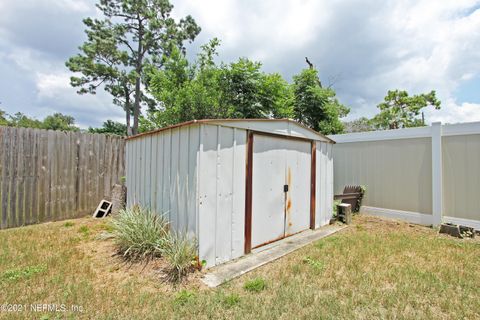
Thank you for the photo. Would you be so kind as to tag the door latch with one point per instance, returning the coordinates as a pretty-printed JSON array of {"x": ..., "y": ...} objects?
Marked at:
[{"x": 285, "y": 188}]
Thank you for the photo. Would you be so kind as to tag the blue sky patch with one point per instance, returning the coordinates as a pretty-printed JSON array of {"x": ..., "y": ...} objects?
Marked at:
[{"x": 469, "y": 91}]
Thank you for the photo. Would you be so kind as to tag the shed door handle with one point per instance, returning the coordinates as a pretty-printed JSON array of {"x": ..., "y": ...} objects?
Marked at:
[{"x": 285, "y": 188}]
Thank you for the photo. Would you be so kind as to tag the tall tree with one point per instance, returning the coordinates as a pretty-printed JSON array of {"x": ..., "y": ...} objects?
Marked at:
[
  {"x": 399, "y": 110},
  {"x": 110, "y": 127},
  {"x": 315, "y": 106},
  {"x": 59, "y": 121},
  {"x": 204, "y": 89},
  {"x": 102, "y": 62},
  {"x": 243, "y": 82},
  {"x": 185, "y": 91},
  {"x": 251, "y": 93},
  {"x": 134, "y": 34}
]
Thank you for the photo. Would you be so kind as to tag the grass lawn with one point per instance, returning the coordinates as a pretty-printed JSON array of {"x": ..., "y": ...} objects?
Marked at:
[{"x": 374, "y": 269}]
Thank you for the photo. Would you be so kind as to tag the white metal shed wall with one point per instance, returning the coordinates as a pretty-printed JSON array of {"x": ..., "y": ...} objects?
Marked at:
[
  {"x": 324, "y": 184},
  {"x": 196, "y": 174},
  {"x": 164, "y": 170},
  {"x": 221, "y": 193},
  {"x": 162, "y": 174}
]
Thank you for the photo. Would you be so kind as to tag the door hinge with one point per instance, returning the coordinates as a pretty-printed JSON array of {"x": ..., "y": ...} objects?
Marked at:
[{"x": 285, "y": 188}]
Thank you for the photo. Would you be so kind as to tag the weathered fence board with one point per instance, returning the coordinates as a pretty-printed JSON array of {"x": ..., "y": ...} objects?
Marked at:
[{"x": 54, "y": 175}]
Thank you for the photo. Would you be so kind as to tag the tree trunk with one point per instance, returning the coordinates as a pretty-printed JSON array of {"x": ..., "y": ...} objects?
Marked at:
[
  {"x": 127, "y": 111},
  {"x": 136, "y": 106},
  {"x": 138, "y": 69},
  {"x": 129, "y": 129}
]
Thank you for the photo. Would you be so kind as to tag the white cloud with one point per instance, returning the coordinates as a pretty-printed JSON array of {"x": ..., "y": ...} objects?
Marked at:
[
  {"x": 81, "y": 6},
  {"x": 373, "y": 46},
  {"x": 452, "y": 112},
  {"x": 50, "y": 85},
  {"x": 87, "y": 109},
  {"x": 370, "y": 46}
]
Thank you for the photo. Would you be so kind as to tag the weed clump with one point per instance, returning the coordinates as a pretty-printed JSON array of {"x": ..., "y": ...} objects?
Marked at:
[
  {"x": 255, "y": 285},
  {"x": 184, "y": 297},
  {"x": 231, "y": 300},
  {"x": 25, "y": 273}
]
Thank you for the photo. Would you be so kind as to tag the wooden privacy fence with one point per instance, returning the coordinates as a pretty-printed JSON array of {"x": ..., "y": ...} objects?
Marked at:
[{"x": 52, "y": 175}]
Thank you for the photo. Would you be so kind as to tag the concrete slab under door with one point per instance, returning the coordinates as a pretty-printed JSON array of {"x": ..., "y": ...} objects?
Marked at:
[{"x": 263, "y": 255}]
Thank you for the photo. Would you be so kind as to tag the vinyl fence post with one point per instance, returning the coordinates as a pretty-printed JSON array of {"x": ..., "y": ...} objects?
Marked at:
[{"x": 437, "y": 205}]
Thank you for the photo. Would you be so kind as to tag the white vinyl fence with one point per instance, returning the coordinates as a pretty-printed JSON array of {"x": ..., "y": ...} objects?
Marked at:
[{"x": 423, "y": 175}]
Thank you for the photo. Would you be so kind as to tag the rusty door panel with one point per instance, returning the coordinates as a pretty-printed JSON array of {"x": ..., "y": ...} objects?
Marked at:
[
  {"x": 278, "y": 162},
  {"x": 298, "y": 165}
]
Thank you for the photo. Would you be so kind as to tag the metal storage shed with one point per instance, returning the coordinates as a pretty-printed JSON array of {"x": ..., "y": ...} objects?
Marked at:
[{"x": 233, "y": 184}]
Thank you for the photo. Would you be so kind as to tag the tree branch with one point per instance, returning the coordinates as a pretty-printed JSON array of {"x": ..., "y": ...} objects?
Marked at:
[{"x": 127, "y": 44}]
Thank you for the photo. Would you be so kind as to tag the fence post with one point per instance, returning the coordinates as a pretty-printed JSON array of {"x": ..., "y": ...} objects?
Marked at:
[{"x": 437, "y": 205}]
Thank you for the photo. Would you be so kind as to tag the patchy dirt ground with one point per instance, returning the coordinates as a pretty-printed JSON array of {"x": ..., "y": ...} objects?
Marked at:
[{"x": 112, "y": 267}]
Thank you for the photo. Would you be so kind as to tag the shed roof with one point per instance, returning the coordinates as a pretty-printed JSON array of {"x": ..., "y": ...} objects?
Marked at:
[{"x": 284, "y": 127}]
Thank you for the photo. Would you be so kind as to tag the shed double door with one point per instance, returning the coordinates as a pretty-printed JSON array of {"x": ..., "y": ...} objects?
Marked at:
[{"x": 280, "y": 188}]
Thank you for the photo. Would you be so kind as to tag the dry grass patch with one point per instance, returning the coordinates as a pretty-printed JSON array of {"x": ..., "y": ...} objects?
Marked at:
[{"x": 374, "y": 269}]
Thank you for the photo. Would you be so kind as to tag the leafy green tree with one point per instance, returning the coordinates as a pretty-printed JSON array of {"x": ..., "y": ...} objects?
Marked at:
[
  {"x": 185, "y": 91},
  {"x": 278, "y": 96},
  {"x": 202, "y": 89},
  {"x": 110, "y": 127},
  {"x": 246, "y": 90},
  {"x": 359, "y": 125},
  {"x": 3, "y": 118},
  {"x": 59, "y": 121},
  {"x": 315, "y": 106},
  {"x": 21, "y": 120},
  {"x": 133, "y": 35},
  {"x": 102, "y": 62},
  {"x": 399, "y": 110}
]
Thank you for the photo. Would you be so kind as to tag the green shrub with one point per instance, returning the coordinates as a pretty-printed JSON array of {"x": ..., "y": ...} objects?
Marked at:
[
  {"x": 180, "y": 253},
  {"x": 140, "y": 233},
  {"x": 255, "y": 285}
]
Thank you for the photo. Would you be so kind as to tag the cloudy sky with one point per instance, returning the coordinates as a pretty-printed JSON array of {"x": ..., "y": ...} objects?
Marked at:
[{"x": 363, "y": 48}]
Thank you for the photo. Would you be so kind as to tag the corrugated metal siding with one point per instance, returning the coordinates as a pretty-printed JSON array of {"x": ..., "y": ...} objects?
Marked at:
[
  {"x": 162, "y": 175},
  {"x": 221, "y": 193},
  {"x": 324, "y": 184},
  {"x": 277, "y": 126},
  {"x": 196, "y": 175},
  {"x": 461, "y": 176},
  {"x": 396, "y": 173}
]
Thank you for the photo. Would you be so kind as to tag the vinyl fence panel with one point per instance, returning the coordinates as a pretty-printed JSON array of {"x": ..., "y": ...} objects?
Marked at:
[{"x": 424, "y": 175}]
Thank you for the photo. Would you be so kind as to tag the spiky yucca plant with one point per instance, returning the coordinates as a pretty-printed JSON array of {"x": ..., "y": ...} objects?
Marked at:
[
  {"x": 140, "y": 233},
  {"x": 180, "y": 252}
]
